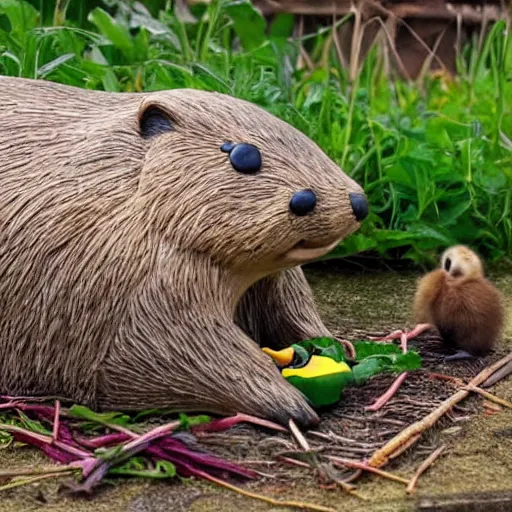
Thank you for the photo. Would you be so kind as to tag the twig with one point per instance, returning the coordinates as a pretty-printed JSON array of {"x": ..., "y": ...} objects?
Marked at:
[
  {"x": 402, "y": 448},
  {"x": 330, "y": 472},
  {"x": 299, "y": 436},
  {"x": 56, "y": 421},
  {"x": 447, "y": 378},
  {"x": 489, "y": 396},
  {"x": 423, "y": 467},
  {"x": 293, "y": 462},
  {"x": 381, "y": 456},
  {"x": 476, "y": 389},
  {"x": 271, "y": 501},
  {"x": 365, "y": 467},
  {"x": 36, "y": 471},
  {"x": 27, "y": 481},
  {"x": 499, "y": 375}
]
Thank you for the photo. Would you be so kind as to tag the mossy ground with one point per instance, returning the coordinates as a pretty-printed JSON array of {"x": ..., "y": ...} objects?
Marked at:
[{"x": 478, "y": 458}]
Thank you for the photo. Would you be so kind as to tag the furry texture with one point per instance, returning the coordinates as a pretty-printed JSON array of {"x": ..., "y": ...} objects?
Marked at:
[
  {"x": 138, "y": 268},
  {"x": 465, "y": 307}
]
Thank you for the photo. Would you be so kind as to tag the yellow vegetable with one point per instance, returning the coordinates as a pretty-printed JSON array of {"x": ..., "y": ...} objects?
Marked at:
[
  {"x": 282, "y": 357},
  {"x": 317, "y": 367}
]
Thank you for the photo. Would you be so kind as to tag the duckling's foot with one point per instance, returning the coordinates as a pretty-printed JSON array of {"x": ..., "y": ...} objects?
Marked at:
[{"x": 461, "y": 355}]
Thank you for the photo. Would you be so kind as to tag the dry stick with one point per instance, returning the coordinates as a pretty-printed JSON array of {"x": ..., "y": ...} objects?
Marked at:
[
  {"x": 423, "y": 467},
  {"x": 476, "y": 389},
  {"x": 27, "y": 481},
  {"x": 499, "y": 375},
  {"x": 401, "y": 449},
  {"x": 349, "y": 489},
  {"x": 489, "y": 396},
  {"x": 37, "y": 471},
  {"x": 277, "y": 503},
  {"x": 56, "y": 421},
  {"x": 381, "y": 456},
  {"x": 293, "y": 462},
  {"x": 354, "y": 464},
  {"x": 299, "y": 436}
]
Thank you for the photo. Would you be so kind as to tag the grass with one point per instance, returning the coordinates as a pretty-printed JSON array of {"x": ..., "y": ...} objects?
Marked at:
[{"x": 434, "y": 157}]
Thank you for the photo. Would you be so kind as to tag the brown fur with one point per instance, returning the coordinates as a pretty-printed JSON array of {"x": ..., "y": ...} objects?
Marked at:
[
  {"x": 125, "y": 260},
  {"x": 465, "y": 307}
]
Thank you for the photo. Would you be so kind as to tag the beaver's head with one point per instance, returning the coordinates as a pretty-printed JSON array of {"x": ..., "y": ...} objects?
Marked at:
[{"x": 228, "y": 179}]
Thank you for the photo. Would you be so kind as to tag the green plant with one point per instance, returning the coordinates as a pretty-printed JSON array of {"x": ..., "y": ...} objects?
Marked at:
[{"x": 435, "y": 158}]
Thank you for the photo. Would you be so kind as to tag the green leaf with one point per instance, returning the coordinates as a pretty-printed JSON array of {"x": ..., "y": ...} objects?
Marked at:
[
  {"x": 365, "y": 349},
  {"x": 281, "y": 26},
  {"x": 32, "y": 425},
  {"x": 325, "y": 346},
  {"x": 363, "y": 371},
  {"x": 104, "y": 418},
  {"x": 116, "y": 33},
  {"x": 22, "y": 16},
  {"x": 49, "y": 67},
  {"x": 248, "y": 22},
  {"x": 186, "y": 422},
  {"x": 136, "y": 467}
]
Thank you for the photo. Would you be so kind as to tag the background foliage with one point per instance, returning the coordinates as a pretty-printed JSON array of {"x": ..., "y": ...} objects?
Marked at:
[{"x": 435, "y": 158}]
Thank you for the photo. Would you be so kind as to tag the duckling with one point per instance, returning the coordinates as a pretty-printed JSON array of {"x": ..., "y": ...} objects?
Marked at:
[{"x": 457, "y": 299}]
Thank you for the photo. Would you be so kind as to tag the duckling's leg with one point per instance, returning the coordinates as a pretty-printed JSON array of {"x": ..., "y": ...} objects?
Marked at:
[
  {"x": 461, "y": 355},
  {"x": 280, "y": 310}
]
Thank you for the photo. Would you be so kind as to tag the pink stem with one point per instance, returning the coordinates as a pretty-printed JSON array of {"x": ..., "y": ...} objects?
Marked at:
[
  {"x": 384, "y": 399},
  {"x": 225, "y": 423},
  {"x": 418, "y": 329},
  {"x": 349, "y": 347},
  {"x": 44, "y": 440}
]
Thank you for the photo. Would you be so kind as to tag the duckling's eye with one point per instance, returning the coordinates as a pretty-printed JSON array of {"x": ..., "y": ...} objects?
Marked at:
[
  {"x": 447, "y": 264},
  {"x": 244, "y": 158}
]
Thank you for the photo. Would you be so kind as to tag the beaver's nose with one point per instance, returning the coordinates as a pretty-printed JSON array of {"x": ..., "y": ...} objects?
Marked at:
[
  {"x": 359, "y": 205},
  {"x": 303, "y": 202}
]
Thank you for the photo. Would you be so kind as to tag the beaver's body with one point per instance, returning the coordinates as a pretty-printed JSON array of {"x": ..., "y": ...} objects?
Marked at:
[{"x": 128, "y": 240}]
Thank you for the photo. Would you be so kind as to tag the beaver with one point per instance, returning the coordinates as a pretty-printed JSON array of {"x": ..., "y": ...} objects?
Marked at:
[{"x": 152, "y": 242}]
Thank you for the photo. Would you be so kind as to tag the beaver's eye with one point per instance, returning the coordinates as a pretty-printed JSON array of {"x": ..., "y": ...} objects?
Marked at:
[
  {"x": 245, "y": 158},
  {"x": 447, "y": 264}
]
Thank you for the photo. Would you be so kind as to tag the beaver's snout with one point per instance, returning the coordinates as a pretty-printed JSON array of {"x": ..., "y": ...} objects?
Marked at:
[
  {"x": 359, "y": 205},
  {"x": 303, "y": 202}
]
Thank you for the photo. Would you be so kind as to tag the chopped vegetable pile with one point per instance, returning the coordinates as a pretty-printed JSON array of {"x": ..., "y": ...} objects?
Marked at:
[{"x": 94, "y": 446}]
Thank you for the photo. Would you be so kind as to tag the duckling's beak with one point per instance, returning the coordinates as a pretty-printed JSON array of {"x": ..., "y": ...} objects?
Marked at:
[{"x": 281, "y": 357}]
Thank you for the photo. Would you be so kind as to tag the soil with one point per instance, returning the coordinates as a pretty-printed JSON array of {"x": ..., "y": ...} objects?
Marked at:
[{"x": 474, "y": 472}]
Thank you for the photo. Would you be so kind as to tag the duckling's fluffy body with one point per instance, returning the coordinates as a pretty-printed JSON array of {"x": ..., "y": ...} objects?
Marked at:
[{"x": 461, "y": 303}]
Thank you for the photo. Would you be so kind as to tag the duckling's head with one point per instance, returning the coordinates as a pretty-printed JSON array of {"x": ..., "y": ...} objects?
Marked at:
[{"x": 460, "y": 261}]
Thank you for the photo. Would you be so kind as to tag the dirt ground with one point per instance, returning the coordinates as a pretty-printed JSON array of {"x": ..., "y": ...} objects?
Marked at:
[{"x": 474, "y": 473}]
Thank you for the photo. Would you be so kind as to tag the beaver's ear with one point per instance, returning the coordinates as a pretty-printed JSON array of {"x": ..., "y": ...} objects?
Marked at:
[{"x": 153, "y": 121}]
